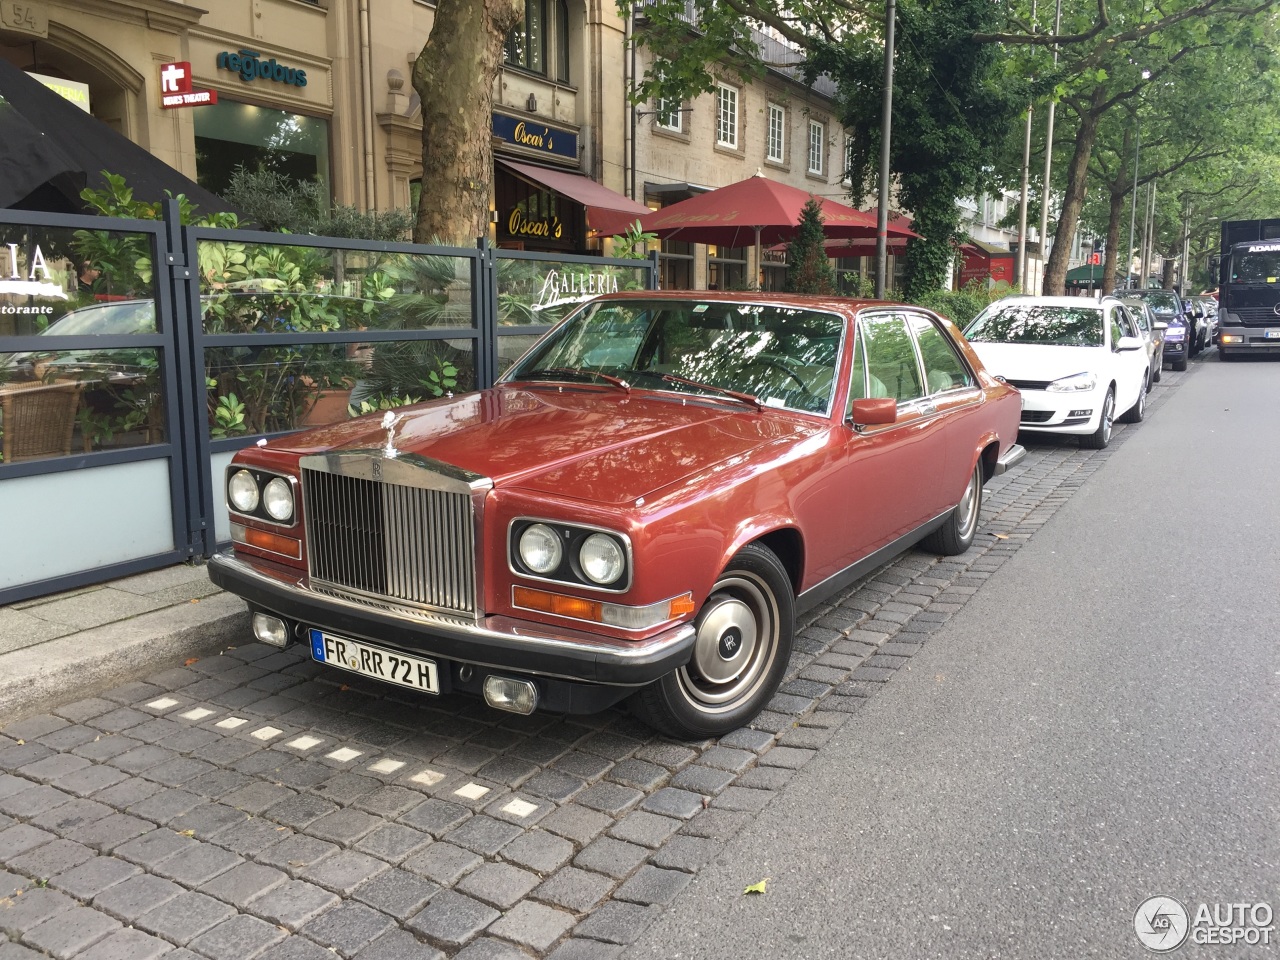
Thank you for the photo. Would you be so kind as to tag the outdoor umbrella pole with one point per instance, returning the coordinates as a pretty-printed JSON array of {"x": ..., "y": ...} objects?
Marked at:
[{"x": 759, "y": 262}]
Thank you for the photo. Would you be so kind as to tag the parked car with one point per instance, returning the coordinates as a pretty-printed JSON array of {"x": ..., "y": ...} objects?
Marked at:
[
  {"x": 1076, "y": 362},
  {"x": 1205, "y": 310},
  {"x": 1151, "y": 330},
  {"x": 1182, "y": 337},
  {"x": 638, "y": 508}
]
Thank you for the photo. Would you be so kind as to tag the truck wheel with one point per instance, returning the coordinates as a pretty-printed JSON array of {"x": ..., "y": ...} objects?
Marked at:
[
  {"x": 740, "y": 652},
  {"x": 1224, "y": 355}
]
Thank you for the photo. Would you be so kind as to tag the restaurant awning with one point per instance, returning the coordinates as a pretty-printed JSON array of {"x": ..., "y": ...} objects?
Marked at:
[
  {"x": 1089, "y": 275},
  {"x": 608, "y": 213}
]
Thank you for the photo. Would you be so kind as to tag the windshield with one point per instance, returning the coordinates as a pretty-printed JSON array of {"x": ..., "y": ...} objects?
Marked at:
[
  {"x": 782, "y": 356},
  {"x": 1014, "y": 322},
  {"x": 1255, "y": 268},
  {"x": 129, "y": 316},
  {"x": 1162, "y": 302}
]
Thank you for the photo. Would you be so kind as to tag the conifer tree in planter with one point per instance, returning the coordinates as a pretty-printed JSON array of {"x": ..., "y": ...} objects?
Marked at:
[{"x": 808, "y": 269}]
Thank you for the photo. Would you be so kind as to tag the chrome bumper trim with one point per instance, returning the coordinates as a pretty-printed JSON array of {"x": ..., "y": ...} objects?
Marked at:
[{"x": 1012, "y": 457}]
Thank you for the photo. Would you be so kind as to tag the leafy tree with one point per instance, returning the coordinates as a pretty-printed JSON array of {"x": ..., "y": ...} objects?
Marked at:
[
  {"x": 808, "y": 269},
  {"x": 454, "y": 77}
]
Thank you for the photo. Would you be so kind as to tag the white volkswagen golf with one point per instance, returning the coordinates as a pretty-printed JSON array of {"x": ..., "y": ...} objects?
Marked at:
[{"x": 1076, "y": 362}]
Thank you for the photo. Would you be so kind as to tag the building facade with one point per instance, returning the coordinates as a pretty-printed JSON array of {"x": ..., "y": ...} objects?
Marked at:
[{"x": 321, "y": 89}]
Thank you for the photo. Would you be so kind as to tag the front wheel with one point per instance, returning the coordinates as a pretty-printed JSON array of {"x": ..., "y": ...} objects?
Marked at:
[
  {"x": 955, "y": 536},
  {"x": 740, "y": 652},
  {"x": 1224, "y": 355},
  {"x": 1102, "y": 436},
  {"x": 1139, "y": 409},
  {"x": 1179, "y": 366}
]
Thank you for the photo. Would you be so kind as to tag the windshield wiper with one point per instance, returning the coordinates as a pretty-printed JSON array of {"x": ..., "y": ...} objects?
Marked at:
[
  {"x": 723, "y": 391},
  {"x": 572, "y": 373}
]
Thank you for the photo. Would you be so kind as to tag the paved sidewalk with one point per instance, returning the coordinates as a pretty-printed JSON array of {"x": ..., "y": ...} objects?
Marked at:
[{"x": 78, "y": 643}]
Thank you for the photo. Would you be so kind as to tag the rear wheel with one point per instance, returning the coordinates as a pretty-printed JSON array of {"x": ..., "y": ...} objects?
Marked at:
[
  {"x": 1102, "y": 436},
  {"x": 956, "y": 534},
  {"x": 740, "y": 652}
]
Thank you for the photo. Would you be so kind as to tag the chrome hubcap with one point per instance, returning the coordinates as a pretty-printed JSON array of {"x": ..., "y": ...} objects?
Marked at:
[
  {"x": 967, "y": 511},
  {"x": 1108, "y": 413},
  {"x": 735, "y": 644}
]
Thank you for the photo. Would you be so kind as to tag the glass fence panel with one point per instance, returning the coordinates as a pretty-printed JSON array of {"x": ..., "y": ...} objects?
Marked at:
[
  {"x": 59, "y": 402},
  {"x": 544, "y": 291},
  {"x": 275, "y": 288},
  {"x": 49, "y": 272},
  {"x": 268, "y": 389},
  {"x": 512, "y": 348}
]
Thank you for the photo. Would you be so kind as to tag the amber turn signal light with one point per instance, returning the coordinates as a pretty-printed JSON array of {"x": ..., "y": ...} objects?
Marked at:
[{"x": 266, "y": 540}]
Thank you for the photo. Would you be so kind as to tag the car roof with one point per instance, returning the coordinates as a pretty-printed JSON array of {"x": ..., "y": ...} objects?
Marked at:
[{"x": 1055, "y": 301}]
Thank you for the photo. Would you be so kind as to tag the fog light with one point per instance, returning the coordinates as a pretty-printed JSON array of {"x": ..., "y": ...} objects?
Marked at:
[
  {"x": 514, "y": 696},
  {"x": 270, "y": 630},
  {"x": 1232, "y": 338}
]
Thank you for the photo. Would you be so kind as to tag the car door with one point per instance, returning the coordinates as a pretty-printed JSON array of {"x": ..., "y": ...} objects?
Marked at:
[
  {"x": 893, "y": 472},
  {"x": 952, "y": 388},
  {"x": 1129, "y": 366}
]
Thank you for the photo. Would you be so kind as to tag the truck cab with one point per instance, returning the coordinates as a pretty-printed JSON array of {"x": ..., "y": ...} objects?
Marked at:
[{"x": 1249, "y": 288}]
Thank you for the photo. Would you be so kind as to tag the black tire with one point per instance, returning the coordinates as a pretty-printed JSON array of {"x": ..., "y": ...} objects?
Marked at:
[
  {"x": 1225, "y": 356},
  {"x": 750, "y": 616},
  {"x": 1139, "y": 409},
  {"x": 1157, "y": 373},
  {"x": 1102, "y": 436},
  {"x": 956, "y": 535},
  {"x": 1179, "y": 365}
]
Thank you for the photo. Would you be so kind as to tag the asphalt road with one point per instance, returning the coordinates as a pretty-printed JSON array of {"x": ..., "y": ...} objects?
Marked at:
[{"x": 1097, "y": 726}]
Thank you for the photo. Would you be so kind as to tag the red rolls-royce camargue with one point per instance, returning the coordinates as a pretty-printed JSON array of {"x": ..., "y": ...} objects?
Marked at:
[{"x": 637, "y": 509}]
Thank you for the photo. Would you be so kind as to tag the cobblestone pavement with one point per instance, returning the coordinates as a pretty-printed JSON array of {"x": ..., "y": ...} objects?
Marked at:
[{"x": 255, "y": 805}]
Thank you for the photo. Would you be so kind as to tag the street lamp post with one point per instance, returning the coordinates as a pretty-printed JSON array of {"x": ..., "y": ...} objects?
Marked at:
[{"x": 1133, "y": 207}]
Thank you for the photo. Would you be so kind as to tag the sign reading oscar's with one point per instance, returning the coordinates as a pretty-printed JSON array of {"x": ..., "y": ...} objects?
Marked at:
[{"x": 545, "y": 228}]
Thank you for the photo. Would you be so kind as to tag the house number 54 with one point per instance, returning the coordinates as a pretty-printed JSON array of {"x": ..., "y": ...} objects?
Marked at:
[{"x": 28, "y": 18}]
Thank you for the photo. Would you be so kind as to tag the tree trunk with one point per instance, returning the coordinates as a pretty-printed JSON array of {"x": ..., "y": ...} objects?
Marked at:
[
  {"x": 1055, "y": 275},
  {"x": 454, "y": 77},
  {"x": 1111, "y": 258}
]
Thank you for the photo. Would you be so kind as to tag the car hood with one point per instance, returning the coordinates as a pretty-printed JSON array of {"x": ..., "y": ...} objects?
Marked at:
[
  {"x": 596, "y": 444},
  {"x": 1038, "y": 361}
]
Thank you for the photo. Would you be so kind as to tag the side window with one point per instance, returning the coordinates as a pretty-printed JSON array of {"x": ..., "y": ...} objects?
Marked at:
[
  {"x": 1140, "y": 318},
  {"x": 892, "y": 370},
  {"x": 943, "y": 368},
  {"x": 1117, "y": 331}
]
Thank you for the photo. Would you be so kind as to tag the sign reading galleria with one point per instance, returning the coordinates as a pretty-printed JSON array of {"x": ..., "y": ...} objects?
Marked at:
[{"x": 250, "y": 66}]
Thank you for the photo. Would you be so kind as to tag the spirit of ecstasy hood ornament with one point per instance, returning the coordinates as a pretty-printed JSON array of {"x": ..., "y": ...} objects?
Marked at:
[{"x": 389, "y": 421}]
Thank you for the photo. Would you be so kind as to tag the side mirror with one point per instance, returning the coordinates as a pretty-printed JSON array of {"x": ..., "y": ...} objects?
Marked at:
[
  {"x": 1129, "y": 343},
  {"x": 874, "y": 411},
  {"x": 1159, "y": 325}
]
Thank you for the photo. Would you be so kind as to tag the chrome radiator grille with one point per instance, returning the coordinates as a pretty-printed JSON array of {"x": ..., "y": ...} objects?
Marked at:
[{"x": 380, "y": 540}]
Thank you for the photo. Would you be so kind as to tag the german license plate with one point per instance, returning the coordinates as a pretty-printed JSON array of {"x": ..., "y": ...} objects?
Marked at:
[
  {"x": 1273, "y": 335},
  {"x": 376, "y": 662}
]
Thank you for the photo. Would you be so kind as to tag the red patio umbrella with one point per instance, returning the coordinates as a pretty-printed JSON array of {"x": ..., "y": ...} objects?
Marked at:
[{"x": 757, "y": 211}]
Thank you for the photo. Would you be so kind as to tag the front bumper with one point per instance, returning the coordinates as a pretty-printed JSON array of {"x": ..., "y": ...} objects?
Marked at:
[
  {"x": 1252, "y": 339},
  {"x": 1175, "y": 349},
  {"x": 502, "y": 643},
  {"x": 1012, "y": 457},
  {"x": 1071, "y": 413}
]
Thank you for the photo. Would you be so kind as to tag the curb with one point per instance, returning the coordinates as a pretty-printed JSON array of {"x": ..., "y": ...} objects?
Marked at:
[{"x": 90, "y": 661}]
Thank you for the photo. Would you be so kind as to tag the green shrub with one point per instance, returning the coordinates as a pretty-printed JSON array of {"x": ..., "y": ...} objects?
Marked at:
[{"x": 961, "y": 306}]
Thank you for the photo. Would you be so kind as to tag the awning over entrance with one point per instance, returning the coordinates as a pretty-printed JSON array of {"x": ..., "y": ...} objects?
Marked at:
[
  {"x": 1088, "y": 276},
  {"x": 608, "y": 213}
]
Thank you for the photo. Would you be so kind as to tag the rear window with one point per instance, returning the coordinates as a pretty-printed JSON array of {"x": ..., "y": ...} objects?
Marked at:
[{"x": 1161, "y": 301}]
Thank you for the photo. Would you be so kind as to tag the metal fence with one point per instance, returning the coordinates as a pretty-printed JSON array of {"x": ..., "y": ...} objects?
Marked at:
[{"x": 137, "y": 356}]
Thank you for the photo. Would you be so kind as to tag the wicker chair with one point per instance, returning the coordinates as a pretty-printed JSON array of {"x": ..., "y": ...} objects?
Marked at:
[{"x": 39, "y": 419}]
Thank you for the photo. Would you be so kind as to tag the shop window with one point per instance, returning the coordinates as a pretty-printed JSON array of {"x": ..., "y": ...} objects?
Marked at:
[
  {"x": 817, "y": 147},
  {"x": 726, "y": 268},
  {"x": 540, "y": 44},
  {"x": 231, "y": 135},
  {"x": 727, "y": 116},
  {"x": 777, "y": 133}
]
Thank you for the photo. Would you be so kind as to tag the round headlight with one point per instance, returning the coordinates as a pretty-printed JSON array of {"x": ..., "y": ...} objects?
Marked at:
[
  {"x": 242, "y": 491},
  {"x": 540, "y": 548},
  {"x": 277, "y": 497},
  {"x": 601, "y": 558}
]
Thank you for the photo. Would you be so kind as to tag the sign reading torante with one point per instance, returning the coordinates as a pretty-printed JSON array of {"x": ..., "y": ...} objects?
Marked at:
[{"x": 540, "y": 138}]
